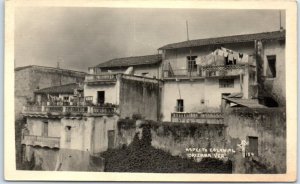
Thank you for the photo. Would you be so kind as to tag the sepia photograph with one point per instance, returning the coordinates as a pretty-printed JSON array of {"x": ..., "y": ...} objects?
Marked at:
[{"x": 150, "y": 90}]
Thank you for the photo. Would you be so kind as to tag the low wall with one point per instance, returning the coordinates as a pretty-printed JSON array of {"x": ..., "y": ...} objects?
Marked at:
[
  {"x": 268, "y": 125},
  {"x": 176, "y": 138}
]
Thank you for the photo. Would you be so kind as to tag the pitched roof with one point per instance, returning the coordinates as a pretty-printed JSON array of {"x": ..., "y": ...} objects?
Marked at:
[
  {"x": 132, "y": 61},
  {"x": 51, "y": 68},
  {"x": 62, "y": 89},
  {"x": 251, "y": 103},
  {"x": 227, "y": 39}
]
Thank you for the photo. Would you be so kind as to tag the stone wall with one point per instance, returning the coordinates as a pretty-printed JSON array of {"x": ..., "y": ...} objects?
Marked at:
[
  {"x": 223, "y": 141},
  {"x": 269, "y": 126},
  {"x": 175, "y": 138}
]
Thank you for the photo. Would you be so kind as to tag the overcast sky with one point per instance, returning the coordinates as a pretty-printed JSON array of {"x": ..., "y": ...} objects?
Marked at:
[{"x": 83, "y": 37}]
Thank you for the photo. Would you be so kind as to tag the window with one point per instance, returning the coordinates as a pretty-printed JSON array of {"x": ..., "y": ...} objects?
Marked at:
[
  {"x": 271, "y": 68},
  {"x": 66, "y": 98},
  {"x": 253, "y": 145},
  {"x": 68, "y": 133},
  {"x": 226, "y": 83},
  {"x": 192, "y": 66},
  {"x": 45, "y": 129},
  {"x": 180, "y": 105},
  {"x": 89, "y": 99}
]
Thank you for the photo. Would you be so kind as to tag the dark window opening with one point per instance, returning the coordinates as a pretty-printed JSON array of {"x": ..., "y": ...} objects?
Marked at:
[
  {"x": 101, "y": 97},
  {"x": 271, "y": 68},
  {"x": 180, "y": 105},
  {"x": 253, "y": 145},
  {"x": 226, "y": 83},
  {"x": 192, "y": 66}
]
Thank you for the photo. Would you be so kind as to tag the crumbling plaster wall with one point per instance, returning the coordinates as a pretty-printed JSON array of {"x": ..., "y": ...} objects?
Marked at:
[
  {"x": 138, "y": 97},
  {"x": 275, "y": 86},
  {"x": 175, "y": 138},
  {"x": 269, "y": 125}
]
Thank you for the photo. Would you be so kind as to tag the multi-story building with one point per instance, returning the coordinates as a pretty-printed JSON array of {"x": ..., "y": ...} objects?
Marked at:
[
  {"x": 76, "y": 125},
  {"x": 32, "y": 77},
  {"x": 190, "y": 81},
  {"x": 246, "y": 63}
]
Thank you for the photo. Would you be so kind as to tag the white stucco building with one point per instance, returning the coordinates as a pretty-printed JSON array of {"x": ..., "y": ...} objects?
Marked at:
[
  {"x": 189, "y": 81},
  {"x": 196, "y": 87}
]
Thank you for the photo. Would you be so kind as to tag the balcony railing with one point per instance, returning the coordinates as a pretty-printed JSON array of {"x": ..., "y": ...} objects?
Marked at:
[
  {"x": 206, "y": 71},
  {"x": 58, "y": 109},
  {"x": 63, "y": 110},
  {"x": 32, "y": 108},
  {"x": 102, "y": 110},
  {"x": 32, "y": 140},
  {"x": 100, "y": 77},
  {"x": 194, "y": 116},
  {"x": 76, "y": 109}
]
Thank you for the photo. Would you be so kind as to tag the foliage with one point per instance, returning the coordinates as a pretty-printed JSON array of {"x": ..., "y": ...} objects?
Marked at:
[{"x": 140, "y": 156}]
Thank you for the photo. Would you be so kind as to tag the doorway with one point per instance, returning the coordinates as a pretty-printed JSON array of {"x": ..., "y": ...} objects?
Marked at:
[
  {"x": 111, "y": 139},
  {"x": 100, "y": 97},
  {"x": 253, "y": 145}
]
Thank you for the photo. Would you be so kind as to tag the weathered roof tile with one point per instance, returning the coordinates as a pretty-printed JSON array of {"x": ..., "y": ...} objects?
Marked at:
[
  {"x": 132, "y": 61},
  {"x": 62, "y": 89},
  {"x": 226, "y": 39}
]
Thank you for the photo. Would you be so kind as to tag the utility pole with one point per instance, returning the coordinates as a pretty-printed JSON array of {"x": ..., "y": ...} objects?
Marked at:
[{"x": 187, "y": 30}]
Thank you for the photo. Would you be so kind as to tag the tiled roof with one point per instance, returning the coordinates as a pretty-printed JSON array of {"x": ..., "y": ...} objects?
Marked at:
[
  {"x": 251, "y": 103},
  {"x": 51, "y": 68},
  {"x": 226, "y": 39},
  {"x": 62, "y": 89},
  {"x": 132, "y": 61}
]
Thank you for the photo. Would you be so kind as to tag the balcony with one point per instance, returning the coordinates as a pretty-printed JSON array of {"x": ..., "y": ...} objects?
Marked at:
[
  {"x": 69, "y": 110},
  {"x": 197, "y": 117},
  {"x": 32, "y": 140},
  {"x": 105, "y": 78},
  {"x": 206, "y": 72},
  {"x": 222, "y": 71}
]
